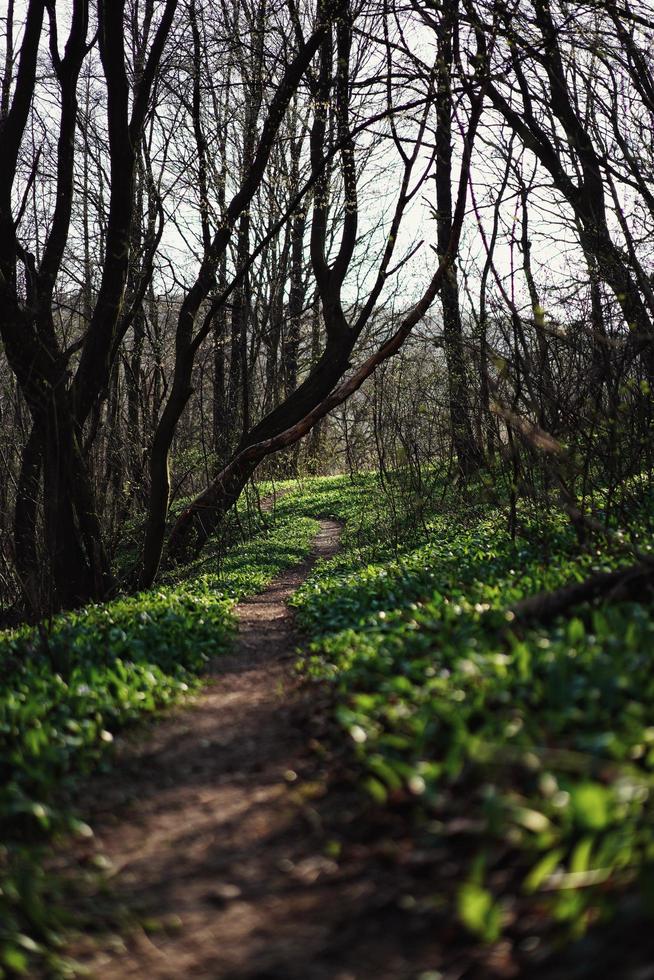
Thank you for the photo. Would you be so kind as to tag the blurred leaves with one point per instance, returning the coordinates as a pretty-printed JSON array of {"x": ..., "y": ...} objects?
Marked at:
[{"x": 543, "y": 736}]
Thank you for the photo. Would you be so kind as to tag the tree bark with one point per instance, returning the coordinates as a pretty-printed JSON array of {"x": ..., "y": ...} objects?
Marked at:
[{"x": 468, "y": 453}]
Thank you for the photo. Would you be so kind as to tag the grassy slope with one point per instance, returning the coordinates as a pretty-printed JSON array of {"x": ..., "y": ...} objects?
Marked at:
[
  {"x": 525, "y": 757},
  {"x": 66, "y": 690},
  {"x": 527, "y": 753}
]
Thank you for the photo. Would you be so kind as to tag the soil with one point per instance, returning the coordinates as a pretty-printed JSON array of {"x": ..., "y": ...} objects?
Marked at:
[
  {"x": 213, "y": 835},
  {"x": 237, "y": 844}
]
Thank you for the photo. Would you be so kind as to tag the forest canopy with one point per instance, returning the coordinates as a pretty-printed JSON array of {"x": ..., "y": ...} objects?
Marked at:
[{"x": 217, "y": 221}]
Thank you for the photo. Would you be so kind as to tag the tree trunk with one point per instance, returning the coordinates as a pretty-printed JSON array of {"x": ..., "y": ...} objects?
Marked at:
[{"x": 463, "y": 437}]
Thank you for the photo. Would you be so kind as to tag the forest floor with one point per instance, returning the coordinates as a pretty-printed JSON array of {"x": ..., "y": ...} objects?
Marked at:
[
  {"x": 214, "y": 831},
  {"x": 333, "y": 822}
]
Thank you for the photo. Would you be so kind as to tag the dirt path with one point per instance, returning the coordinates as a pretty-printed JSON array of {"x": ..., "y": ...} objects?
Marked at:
[
  {"x": 236, "y": 850},
  {"x": 237, "y": 853},
  {"x": 208, "y": 829}
]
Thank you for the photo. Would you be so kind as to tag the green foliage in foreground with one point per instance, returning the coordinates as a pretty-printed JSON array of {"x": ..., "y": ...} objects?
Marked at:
[
  {"x": 66, "y": 689},
  {"x": 528, "y": 754}
]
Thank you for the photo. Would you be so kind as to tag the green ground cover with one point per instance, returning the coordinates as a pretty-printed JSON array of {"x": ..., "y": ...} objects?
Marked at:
[
  {"x": 68, "y": 686},
  {"x": 526, "y": 752},
  {"x": 524, "y": 755}
]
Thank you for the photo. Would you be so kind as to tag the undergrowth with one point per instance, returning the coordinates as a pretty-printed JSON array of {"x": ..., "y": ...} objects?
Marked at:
[{"x": 525, "y": 754}]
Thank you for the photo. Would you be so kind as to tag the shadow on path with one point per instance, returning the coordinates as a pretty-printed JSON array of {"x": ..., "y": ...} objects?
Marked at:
[{"x": 213, "y": 828}]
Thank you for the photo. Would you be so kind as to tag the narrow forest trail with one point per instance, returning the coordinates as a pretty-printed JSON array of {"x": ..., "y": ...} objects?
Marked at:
[
  {"x": 209, "y": 827},
  {"x": 202, "y": 837}
]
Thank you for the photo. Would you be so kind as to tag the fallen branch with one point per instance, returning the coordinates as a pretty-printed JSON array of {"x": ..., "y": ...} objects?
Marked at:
[{"x": 633, "y": 582}]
